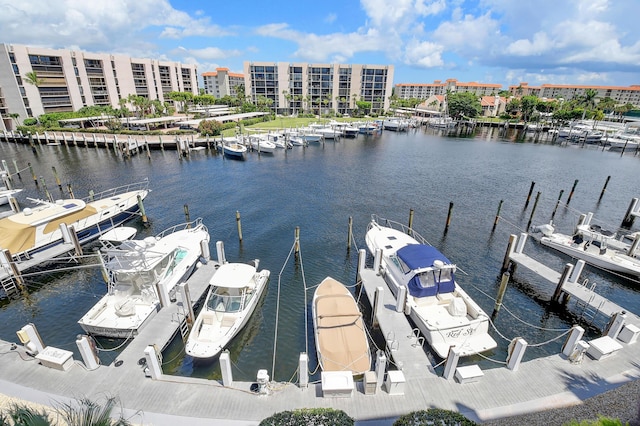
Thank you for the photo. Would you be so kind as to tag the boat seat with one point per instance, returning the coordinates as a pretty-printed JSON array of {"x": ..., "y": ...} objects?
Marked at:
[
  {"x": 228, "y": 320},
  {"x": 445, "y": 298},
  {"x": 207, "y": 319}
]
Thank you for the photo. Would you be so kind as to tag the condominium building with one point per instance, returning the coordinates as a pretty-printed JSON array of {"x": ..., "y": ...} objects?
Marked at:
[
  {"x": 621, "y": 94},
  {"x": 35, "y": 81},
  {"x": 426, "y": 90},
  {"x": 222, "y": 83},
  {"x": 288, "y": 88}
]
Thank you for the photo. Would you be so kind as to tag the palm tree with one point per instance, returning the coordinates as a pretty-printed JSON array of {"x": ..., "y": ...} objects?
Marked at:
[
  {"x": 14, "y": 116},
  {"x": 32, "y": 78}
]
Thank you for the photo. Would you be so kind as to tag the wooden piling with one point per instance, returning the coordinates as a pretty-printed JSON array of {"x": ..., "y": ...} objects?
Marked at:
[
  {"x": 565, "y": 274},
  {"x": 187, "y": 216},
  {"x": 495, "y": 222},
  {"x": 446, "y": 228},
  {"x": 297, "y": 241},
  {"x": 526, "y": 204},
  {"x": 70, "y": 190},
  {"x": 145, "y": 220},
  {"x": 55, "y": 175},
  {"x": 533, "y": 210},
  {"x": 35, "y": 178},
  {"x": 575, "y": 183},
  {"x": 604, "y": 188},
  {"x": 557, "y": 204},
  {"x": 239, "y": 224},
  {"x": 629, "y": 217},
  {"x": 91, "y": 195},
  {"x": 410, "y": 221},
  {"x": 506, "y": 261},
  {"x": 350, "y": 233},
  {"x": 501, "y": 292},
  {"x": 15, "y": 165}
]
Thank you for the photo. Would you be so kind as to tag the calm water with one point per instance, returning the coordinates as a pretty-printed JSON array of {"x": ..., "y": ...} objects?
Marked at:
[{"x": 318, "y": 189}]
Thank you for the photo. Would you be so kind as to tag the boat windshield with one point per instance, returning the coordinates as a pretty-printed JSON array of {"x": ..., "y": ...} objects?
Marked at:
[
  {"x": 226, "y": 300},
  {"x": 176, "y": 257}
]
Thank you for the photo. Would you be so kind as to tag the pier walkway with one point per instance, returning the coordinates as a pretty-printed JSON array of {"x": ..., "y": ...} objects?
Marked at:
[
  {"x": 537, "y": 384},
  {"x": 586, "y": 296}
]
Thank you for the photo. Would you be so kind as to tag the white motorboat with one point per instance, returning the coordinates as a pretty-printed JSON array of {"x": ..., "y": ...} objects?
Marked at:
[
  {"x": 367, "y": 128},
  {"x": 445, "y": 314},
  {"x": 341, "y": 339},
  {"x": 395, "y": 124},
  {"x": 348, "y": 131},
  {"x": 232, "y": 298},
  {"x": 39, "y": 228},
  {"x": 137, "y": 271},
  {"x": 262, "y": 144},
  {"x": 234, "y": 150},
  {"x": 597, "y": 248},
  {"x": 329, "y": 132}
]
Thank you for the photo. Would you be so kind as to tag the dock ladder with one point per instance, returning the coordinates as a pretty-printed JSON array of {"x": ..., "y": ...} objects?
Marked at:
[
  {"x": 9, "y": 286},
  {"x": 589, "y": 309}
]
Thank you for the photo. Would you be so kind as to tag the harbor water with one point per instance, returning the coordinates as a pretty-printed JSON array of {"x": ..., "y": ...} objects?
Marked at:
[{"x": 318, "y": 188}]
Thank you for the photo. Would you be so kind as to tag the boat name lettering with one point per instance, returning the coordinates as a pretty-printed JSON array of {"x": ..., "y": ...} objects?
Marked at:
[{"x": 462, "y": 332}]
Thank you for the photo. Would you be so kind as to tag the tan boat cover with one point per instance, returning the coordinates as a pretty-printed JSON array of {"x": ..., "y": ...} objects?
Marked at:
[
  {"x": 340, "y": 335},
  {"x": 19, "y": 237}
]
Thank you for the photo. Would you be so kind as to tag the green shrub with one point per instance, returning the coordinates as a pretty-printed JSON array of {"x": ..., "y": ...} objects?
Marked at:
[
  {"x": 309, "y": 417},
  {"x": 602, "y": 421},
  {"x": 433, "y": 416}
]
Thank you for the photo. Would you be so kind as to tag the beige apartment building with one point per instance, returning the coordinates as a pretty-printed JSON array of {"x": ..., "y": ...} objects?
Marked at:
[
  {"x": 295, "y": 87},
  {"x": 621, "y": 94},
  {"x": 221, "y": 82},
  {"x": 68, "y": 80},
  {"x": 426, "y": 90}
]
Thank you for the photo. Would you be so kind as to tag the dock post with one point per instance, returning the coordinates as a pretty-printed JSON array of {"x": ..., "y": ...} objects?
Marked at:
[
  {"x": 204, "y": 251},
  {"x": 533, "y": 210},
  {"x": 15, "y": 165},
  {"x": 377, "y": 260},
  {"x": 575, "y": 183},
  {"x": 517, "y": 348},
  {"x": 220, "y": 252},
  {"x": 604, "y": 188},
  {"x": 46, "y": 191},
  {"x": 31, "y": 339},
  {"x": 153, "y": 363},
  {"x": 303, "y": 370},
  {"x": 634, "y": 246},
  {"x": 501, "y": 291},
  {"x": 526, "y": 204},
  {"x": 91, "y": 195},
  {"x": 70, "y": 190},
  {"x": 577, "y": 270},
  {"x": 507, "y": 255},
  {"x": 446, "y": 228},
  {"x": 13, "y": 203},
  {"x": 629, "y": 217},
  {"x": 225, "y": 368},
  {"x": 566, "y": 272},
  {"x": 557, "y": 204},
  {"x": 239, "y": 225},
  {"x": 88, "y": 352},
  {"x": 296, "y": 237},
  {"x": 572, "y": 340},
  {"x": 73, "y": 235},
  {"x": 55, "y": 174},
  {"x": 362, "y": 258},
  {"x": 186, "y": 302},
  {"x": 163, "y": 294},
  {"x": 401, "y": 299},
  {"x": 378, "y": 305},
  {"x": 495, "y": 222},
  {"x": 615, "y": 324},
  {"x": 349, "y": 233},
  {"x": 452, "y": 363},
  {"x": 35, "y": 178},
  {"x": 187, "y": 217},
  {"x": 145, "y": 220},
  {"x": 410, "y": 221},
  {"x": 381, "y": 366},
  {"x": 522, "y": 239}
]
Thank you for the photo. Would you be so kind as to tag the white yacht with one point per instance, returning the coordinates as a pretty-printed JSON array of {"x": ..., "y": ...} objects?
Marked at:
[
  {"x": 445, "y": 314},
  {"x": 137, "y": 270}
]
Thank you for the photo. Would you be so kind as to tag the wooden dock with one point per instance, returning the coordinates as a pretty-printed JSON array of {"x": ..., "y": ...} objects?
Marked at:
[{"x": 538, "y": 384}]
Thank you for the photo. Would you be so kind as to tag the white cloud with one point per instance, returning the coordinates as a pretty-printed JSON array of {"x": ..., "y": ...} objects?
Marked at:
[
  {"x": 540, "y": 44},
  {"x": 208, "y": 53},
  {"x": 424, "y": 54}
]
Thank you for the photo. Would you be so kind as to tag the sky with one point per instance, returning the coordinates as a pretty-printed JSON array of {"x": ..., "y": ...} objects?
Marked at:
[{"x": 577, "y": 42}]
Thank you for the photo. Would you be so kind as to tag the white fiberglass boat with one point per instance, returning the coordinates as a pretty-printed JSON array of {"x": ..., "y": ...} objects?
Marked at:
[
  {"x": 6, "y": 193},
  {"x": 232, "y": 298},
  {"x": 444, "y": 313},
  {"x": 38, "y": 228},
  {"x": 137, "y": 270},
  {"x": 596, "y": 247},
  {"x": 262, "y": 144},
  {"x": 341, "y": 339},
  {"x": 234, "y": 150}
]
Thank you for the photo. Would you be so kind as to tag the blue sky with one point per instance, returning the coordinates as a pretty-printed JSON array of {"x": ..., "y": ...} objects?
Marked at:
[{"x": 594, "y": 42}]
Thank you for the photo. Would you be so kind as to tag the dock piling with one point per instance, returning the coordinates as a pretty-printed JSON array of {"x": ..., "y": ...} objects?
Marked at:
[
  {"x": 557, "y": 204},
  {"x": 145, "y": 220},
  {"x": 566, "y": 272},
  {"x": 377, "y": 306},
  {"x": 495, "y": 222},
  {"x": 187, "y": 216},
  {"x": 604, "y": 188},
  {"x": 629, "y": 216},
  {"x": 572, "y": 340},
  {"x": 410, "y": 221},
  {"x": 451, "y": 364},
  {"x": 220, "y": 252},
  {"x": 533, "y": 210},
  {"x": 350, "y": 233},
  {"x": 153, "y": 369},
  {"x": 517, "y": 348},
  {"x": 575, "y": 183},
  {"x": 55, "y": 175},
  {"x": 35, "y": 178},
  {"x": 446, "y": 228},
  {"x": 186, "y": 301},
  {"x": 501, "y": 291},
  {"x": 526, "y": 204}
]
